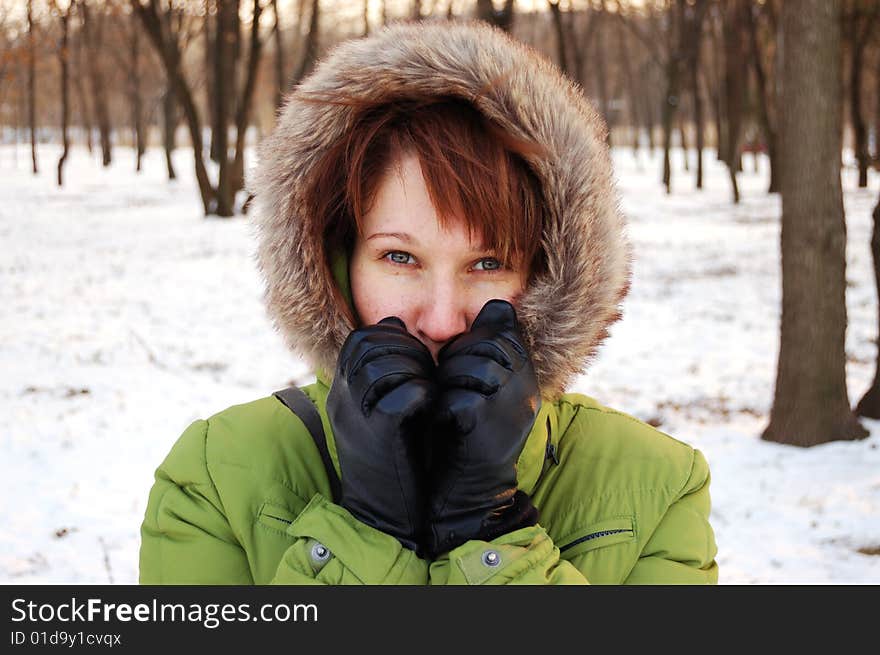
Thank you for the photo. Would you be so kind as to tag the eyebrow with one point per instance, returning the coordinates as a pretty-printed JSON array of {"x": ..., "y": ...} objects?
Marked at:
[
  {"x": 403, "y": 236},
  {"x": 407, "y": 238}
]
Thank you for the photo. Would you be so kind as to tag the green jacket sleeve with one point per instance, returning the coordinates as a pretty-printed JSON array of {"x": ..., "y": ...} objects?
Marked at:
[
  {"x": 525, "y": 556},
  {"x": 186, "y": 537},
  {"x": 682, "y": 548}
]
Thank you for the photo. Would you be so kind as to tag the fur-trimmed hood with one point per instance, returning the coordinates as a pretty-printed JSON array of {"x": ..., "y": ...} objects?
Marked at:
[{"x": 565, "y": 312}]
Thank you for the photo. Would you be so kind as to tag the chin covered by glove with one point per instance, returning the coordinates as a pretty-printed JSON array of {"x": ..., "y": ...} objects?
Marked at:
[
  {"x": 380, "y": 400},
  {"x": 488, "y": 401}
]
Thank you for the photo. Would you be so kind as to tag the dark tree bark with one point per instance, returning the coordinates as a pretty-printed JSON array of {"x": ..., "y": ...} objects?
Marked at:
[
  {"x": 577, "y": 40},
  {"x": 169, "y": 127},
  {"x": 861, "y": 23},
  {"x": 811, "y": 405},
  {"x": 242, "y": 117},
  {"x": 559, "y": 30},
  {"x": 63, "y": 60},
  {"x": 85, "y": 112},
  {"x": 280, "y": 79},
  {"x": 599, "y": 67},
  {"x": 633, "y": 101},
  {"x": 224, "y": 92},
  {"x": 93, "y": 29},
  {"x": 673, "y": 84},
  {"x": 693, "y": 40},
  {"x": 32, "y": 82},
  {"x": 766, "y": 94},
  {"x": 310, "y": 51},
  {"x": 869, "y": 405},
  {"x": 135, "y": 97},
  {"x": 735, "y": 87},
  {"x": 503, "y": 18}
]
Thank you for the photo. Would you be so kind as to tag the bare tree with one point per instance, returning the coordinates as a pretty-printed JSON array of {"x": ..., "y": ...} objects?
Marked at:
[
  {"x": 735, "y": 85},
  {"x": 219, "y": 200},
  {"x": 310, "y": 50},
  {"x": 861, "y": 20},
  {"x": 280, "y": 78},
  {"x": 93, "y": 33},
  {"x": 756, "y": 15},
  {"x": 810, "y": 405},
  {"x": 63, "y": 61},
  {"x": 559, "y": 29},
  {"x": 85, "y": 112},
  {"x": 32, "y": 81},
  {"x": 135, "y": 96}
]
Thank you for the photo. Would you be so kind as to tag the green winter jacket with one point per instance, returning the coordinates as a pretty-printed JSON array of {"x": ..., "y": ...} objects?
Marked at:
[{"x": 243, "y": 498}]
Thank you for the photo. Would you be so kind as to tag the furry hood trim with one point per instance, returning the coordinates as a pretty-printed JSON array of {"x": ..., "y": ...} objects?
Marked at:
[{"x": 566, "y": 311}]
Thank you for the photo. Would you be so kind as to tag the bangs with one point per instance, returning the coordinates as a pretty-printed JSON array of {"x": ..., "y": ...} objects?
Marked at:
[{"x": 474, "y": 171}]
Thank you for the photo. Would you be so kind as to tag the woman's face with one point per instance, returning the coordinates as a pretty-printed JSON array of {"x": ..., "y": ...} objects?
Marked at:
[{"x": 435, "y": 280}]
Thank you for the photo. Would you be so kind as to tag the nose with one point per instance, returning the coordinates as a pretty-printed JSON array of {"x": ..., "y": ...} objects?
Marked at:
[{"x": 442, "y": 314}]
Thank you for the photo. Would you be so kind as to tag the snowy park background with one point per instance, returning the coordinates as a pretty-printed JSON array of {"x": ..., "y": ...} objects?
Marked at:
[{"x": 125, "y": 315}]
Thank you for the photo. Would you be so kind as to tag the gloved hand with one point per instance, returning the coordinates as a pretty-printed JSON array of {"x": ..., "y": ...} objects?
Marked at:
[
  {"x": 380, "y": 399},
  {"x": 488, "y": 402}
]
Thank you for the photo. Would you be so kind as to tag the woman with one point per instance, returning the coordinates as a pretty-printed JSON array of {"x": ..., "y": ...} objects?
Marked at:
[{"x": 440, "y": 238}]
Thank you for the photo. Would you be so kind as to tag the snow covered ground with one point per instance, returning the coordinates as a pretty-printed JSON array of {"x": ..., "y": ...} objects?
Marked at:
[{"x": 125, "y": 315}]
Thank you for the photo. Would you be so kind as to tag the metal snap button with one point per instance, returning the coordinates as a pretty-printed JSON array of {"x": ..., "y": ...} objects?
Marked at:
[
  {"x": 491, "y": 558},
  {"x": 320, "y": 553}
]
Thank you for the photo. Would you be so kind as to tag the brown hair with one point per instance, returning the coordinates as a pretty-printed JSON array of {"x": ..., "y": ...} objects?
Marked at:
[{"x": 472, "y": 168}]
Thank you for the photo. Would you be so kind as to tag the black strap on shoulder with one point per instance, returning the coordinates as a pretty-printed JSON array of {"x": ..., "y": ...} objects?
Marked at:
[{"x": 300, "y": 404}]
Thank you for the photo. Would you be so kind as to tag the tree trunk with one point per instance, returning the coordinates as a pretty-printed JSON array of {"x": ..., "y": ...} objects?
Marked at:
[
  {"x": 169, "y": 53},
  {"x": 869, "y": 405},
  {"x": 765, "y": 95},
  {"x": 502, "y": 18},
  {"x": 311, "y": 46},
  {"x": 135, "y": 98},
  {"x": 169, "y": 127},
  {"x": 811, "y": 405},
  {"x": 698, "y": 119},
  {"x": 85, "y": 111},
  {"x": 279, "y": 52},
  {"x": 669, "y": 107},
  {"x": 685, "y": 146},
  {"x": 735, "y": 88},
  {"x": 93, "y": 34},
  {"x": 224, "y": 92},
  {"x": 64, "y": 16},
  {"x": 860, "y": 30},
  {"x": 561, "y": 56},
  {"x": 242, "y": 117},
  {"x": 599, "y": 66},
  {"x": 32, "y": 83},
  {"x": 623, "y": 56}
]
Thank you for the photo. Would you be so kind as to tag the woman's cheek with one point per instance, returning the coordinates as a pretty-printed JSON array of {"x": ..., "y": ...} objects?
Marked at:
[{"x": 379, "y": 296}]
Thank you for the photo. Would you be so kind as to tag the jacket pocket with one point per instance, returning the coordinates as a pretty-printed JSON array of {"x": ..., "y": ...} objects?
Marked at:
[
  {"x": 603, "y": 533},
  {"x": 276, "y": 518}
]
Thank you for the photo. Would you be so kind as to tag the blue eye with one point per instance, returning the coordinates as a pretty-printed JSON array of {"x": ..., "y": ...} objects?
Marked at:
[
  {"x": 488, "y": 264},
  {"x": 399, "y": 257}
]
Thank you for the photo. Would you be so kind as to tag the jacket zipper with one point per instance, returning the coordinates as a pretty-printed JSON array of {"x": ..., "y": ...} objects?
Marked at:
[
  {"x": 278, "y": 518},
  {"x": 594, "y": 535}
]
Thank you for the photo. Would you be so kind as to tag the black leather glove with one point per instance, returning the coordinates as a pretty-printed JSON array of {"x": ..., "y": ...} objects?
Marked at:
[
  {"x": 380, "y": 399},
  {"x": 488, "y": 402}
]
